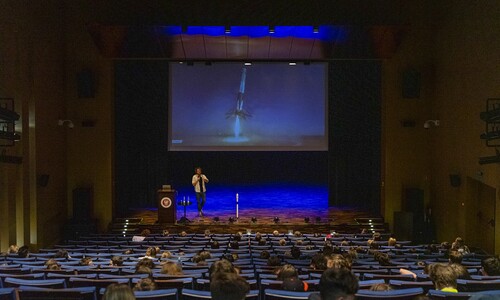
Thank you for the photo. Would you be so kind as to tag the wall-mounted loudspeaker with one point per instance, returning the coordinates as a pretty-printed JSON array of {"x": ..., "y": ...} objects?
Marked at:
[
  {"x": 42, "y": 180},
  {"x": 455, "y": 180},
  {"x": 411, "y": 84},
  {"x": 86, "y": 84}
]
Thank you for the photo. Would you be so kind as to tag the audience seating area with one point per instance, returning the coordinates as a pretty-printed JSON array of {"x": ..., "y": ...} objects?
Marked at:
[{"x": 29, "y": 278}]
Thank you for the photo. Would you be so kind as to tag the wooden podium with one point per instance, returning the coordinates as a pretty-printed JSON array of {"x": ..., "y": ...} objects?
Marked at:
[{"x": 166, "y": 207}]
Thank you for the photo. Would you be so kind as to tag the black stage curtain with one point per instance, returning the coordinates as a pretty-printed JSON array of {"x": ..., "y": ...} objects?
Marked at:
[
  {"x": 355, "y": 131},
  {"x": 141, "y": 132}
]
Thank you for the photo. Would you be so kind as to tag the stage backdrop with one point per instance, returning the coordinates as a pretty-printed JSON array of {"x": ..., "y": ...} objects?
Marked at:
[{"x": 349, "y": 170}]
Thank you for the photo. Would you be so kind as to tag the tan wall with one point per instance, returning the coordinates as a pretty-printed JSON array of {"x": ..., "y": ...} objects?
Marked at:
[
  {"x": 467, "y": 63},
  {"x": 32, "y": 55},
  {"x": 89, "y": 148}
]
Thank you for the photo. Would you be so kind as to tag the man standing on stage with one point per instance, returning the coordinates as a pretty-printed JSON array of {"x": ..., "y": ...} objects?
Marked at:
[{"x": 198, "y": 182}]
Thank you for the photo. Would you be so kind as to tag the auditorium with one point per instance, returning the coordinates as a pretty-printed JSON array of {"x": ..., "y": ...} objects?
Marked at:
[{"x": 201, "y": 121}]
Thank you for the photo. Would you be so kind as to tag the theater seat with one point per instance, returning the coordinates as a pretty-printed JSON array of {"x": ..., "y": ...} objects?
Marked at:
[
  {"x": 403, "y": 294},
  {"x": 45, "y": 283},
  {"x": 168, "y": 294},
  {"x": 34, "y": 293},
  {"x": 478, "y": 285},
  {"x": 271, "y": 294},
  {"x": 7, "y": 294},
  {"x": 189, "y": 294},
  {"x": 435, "y": 294}
]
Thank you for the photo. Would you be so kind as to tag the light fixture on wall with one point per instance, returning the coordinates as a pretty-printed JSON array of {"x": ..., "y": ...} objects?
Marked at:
[{"x": 68, "y": 123}]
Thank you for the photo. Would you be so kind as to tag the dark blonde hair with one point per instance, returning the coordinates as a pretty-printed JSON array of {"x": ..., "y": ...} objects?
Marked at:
[
  {"x": 171, "y": 268},
  {"x": 443, "y": 275}
]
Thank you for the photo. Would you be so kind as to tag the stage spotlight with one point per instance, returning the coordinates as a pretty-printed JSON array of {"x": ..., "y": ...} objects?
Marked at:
[
  {"x": 254, "y": 220},
  {"x": 276, "y": 220},
  {"x": 232, "y": 220},
  {"x": 216, "y": 219},
  {"x": 307, "y": 220},
  {"x": 318, "y": 219},
  {"x": 292, "y": 63}
]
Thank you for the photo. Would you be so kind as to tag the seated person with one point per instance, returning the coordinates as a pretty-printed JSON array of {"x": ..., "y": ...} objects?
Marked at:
[
  {"x": 336, "y": 284},
  {"x": 228, "y": 286},
  {"x": 116, "y": 291},
  {"x": 490, "y": 266},
  {"x": 116, "y": 261},
  {"x": 444, "y": 277},
  {"x": 145, "y": 284},
  {"x": 171, "y": 268}
]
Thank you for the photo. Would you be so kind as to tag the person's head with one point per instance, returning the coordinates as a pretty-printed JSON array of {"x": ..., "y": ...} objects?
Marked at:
[
  {"x": 443, "y": 276},
  {"x": 116, "y": 291},
  {"x": 455, "y": 257},
  {"x": 274, "y": 261},
  {"x": 287, "y": 271},
  {"x": 183, "y": 234},
  {"x": 258, "y": 236},
  {"x": 205, "y": 254},
  {"x": 381, "y": 287},
  {"x": 23, "y": 252},
  {"x": 145, "y": 232},
  {"x": 197, "y": 259},
  {"x": 214, "y": 245},
  {"x": 116, "y": 261},
  {"x": 234, "y": 245},
  {"x": 198, "y": 170},
  {"x": 128, "y": 251},
  {"x": 262, "y": 242},
  {"x": 293, "y": 284},
  {"x": 228, "y": 286},
  {"x": 295, "y": 252},
  {"x": 382, "y": 258},
  {"x": 144, "y": 270},
  {"x": 318, "y": 262},
  {"x": 86, "y": 261},
  {"x": 377, "y": 236},
  {"x": 282, "y": 242},
  {"x": 297, "y": 233},
  {"x": 166, "y": 254},
  {"x": 145, "y": 284},
  {"x": 221, "y": 266},
  {"x": 461, "y": 271},
  {"x": 52, "y": 264},
  {"x": 61, "y": 253},
  {"x": 338, "y": 261},
  {"x": 171, "y": 268},
  {"x": 13, "y": 249},
  {"x": 276, "y": 233},
  {"x": 207, "y": 233},
  {"x": 336, "y": 284},
  {"x": 151, "y": 252},
  {"x": 391, "y": 242},
  {"x": 165, "y": 232},
  {"x": 265, "y": 254},
  {"x": 145, "y": 262},
  {"x": 490, "y": 266}
]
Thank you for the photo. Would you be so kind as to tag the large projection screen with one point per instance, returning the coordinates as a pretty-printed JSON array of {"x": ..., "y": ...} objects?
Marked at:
[{"x": 230, "y": 106}]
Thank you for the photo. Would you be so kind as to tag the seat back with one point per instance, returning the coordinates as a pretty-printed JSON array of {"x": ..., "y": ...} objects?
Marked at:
[
  {"x": 436, "y": 294},
  {"x": 478, "y": 285},
  {"x": 166, "y": 294},
  {"x": 98, "y": 283},
  {"x": 7, "y": 294},
  {"x": 190, "y": 294},
  {"x": 34, "y": 293},
  {"x": 403, "y": 294},
  {"x": 45, "y": 283},
  {"x": 272, "y": 294},
  {"x": 401, "y": 284}
]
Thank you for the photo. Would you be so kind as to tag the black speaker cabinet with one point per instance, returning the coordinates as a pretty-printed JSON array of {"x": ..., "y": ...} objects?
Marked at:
[
  {"x": 82, "y": 203},
  {"x": 86, "y": 84},
  {"x": 403, "y": 225},
  {"x": 411, "y": 84}
]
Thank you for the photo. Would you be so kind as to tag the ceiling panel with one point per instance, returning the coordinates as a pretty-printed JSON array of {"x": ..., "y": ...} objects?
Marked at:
[{"x": 280, "y": 48}]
